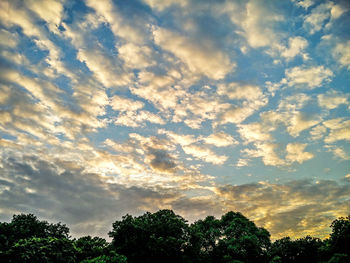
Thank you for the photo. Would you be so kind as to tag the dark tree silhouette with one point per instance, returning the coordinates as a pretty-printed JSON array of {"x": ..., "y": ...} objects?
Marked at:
[
  {"x": 166, "y": 237},
  {"x": 158, "y": 237}
]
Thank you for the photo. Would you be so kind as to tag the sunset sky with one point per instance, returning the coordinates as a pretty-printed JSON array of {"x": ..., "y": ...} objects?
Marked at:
[{"x": 202, "y": 107}]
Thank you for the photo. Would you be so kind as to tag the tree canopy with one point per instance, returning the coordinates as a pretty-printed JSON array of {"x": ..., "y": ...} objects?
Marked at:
[{"x": 164, "y": 236}]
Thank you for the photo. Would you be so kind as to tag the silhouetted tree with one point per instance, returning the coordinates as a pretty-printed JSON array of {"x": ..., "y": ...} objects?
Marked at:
[
  {"x": 166, "y": 237},
  {"x": 204, "y": 237},
  {"x": 157, "y": 237},
  {"x": 42, "y": 250},
  {"x": 24, "y": 227},
  {"x": 88, "y": 247},
  {"x": 340, "y": 236},
  {"x": 302, "y": 250}
]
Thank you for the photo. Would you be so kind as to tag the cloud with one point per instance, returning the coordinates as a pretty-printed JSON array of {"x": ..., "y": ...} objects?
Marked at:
[
  {"x": 296, "y": 153},
  {"x": 311, "y": 77},
  {"x": 265, "y": 150},
  {"x": 300, "y": 122},
  {"x": 57, "y": 191},
  {"x": 49, "y": 10},
  {"x": 332, "y": 99},
  {"x": 124, "y": 104},
  {"x": 318, "y": 132},
  {"x": 202, "y": 152},
  {"x": 238, "y": 91},
  {"x": 339, "y": 130},
  {"x": 8, "y": 39},
  {"x": 199, "y": 58},
  {"x": 205, "y": 154},
  {"x": 297, "y": 45},
  {"x": 328, "y": 11},
  {"x": 135, "y": 119},
  {"x": 132, "y": 28},
  {"x": 220, "y": 139},
  {"x": 249, "y": 98},
  {"x": 161, "y": 5},
  {"x": 158, "y": 89},
  {"x": 136, "y": 56},
  {"x": 296, "y": 208},
  {"x": 338, "y": 152},
  {"x": 181, "y": 139},
  {"x": 290, "y": 112},
  {"x": 161, "y": 161},
  {"x": 254, "y": 132},
  {"x": 258, "y": 25},
  {"x": 105, "y": 70},
  {"x": 304, "y": 3},
  {"x": 341, "y": 52}
]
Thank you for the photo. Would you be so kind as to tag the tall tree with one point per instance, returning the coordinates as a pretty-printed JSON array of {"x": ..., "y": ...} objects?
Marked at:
[{"x": 157, "y": 237}]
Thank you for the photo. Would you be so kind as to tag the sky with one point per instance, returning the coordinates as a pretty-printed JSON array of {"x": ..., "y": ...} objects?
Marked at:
[{"x": 203, "y": 107}]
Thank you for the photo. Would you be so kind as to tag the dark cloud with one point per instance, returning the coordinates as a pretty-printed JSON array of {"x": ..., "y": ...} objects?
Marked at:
[
  {"x": 295, "y": 208},
  {"x": 84, "y": 201},
  {"x": 161, "y": 161}
]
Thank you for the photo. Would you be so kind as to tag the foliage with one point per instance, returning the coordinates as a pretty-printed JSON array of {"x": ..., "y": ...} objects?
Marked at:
[
  {"x": 305, "y": 249},
  {"x": 164, "y": 236},
  {"x": 48, "y": 249},
  {"x": 158, "y": 237},
  {"x": 112, "y": 257},
  {"x": 90, "y": 247},
  {"x": 340, "y": 236}
]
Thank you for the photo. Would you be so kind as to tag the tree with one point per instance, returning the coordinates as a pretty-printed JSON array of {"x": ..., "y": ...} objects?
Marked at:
[
  {"x": 43, "y": 250},
  {"x": 242, "y": 239},
  {"x": 90, "y": 247},
  {"x": 233, "y": 238},
  {"x": 204, "y": 236},
  {"x": 307, "y": 249},
  {"x": 157, "y": 237},
  {"x": 24, "y": 227},
  {"x": 340, "y": 236}
]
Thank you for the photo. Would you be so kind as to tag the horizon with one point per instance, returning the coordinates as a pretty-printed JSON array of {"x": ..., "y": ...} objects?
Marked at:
[{"x": 110, "y": 108}]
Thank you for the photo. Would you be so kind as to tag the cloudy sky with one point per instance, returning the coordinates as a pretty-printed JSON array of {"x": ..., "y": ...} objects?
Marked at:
[{"x": 114, "y": 107}]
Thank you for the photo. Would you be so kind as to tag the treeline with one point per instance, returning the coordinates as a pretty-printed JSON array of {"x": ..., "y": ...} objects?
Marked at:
[{"x": 166, "y": 237}]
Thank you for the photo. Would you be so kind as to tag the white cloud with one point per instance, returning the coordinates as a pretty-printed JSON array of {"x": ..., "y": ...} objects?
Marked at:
[
  {"x": 296, "y": 153},
  {"x": 258, "y": 25},
  {"x": 303, "y": 3},
  {"x": 125, "y": 104},
  {"x": 318, "y": 132},
  {"x": 338, "y": 152},
  {"x": 300, "y": 122},
  {"x": 315, "y": 21},
  {"x": 8, "y": 39},
  {"x": 199, "y": 58},
  {"x": 160, "y": 5},
  {"x": 131, "y": 29},
  {"x": 136, "y": 56},
  {"x": 135, "y": 119},
  {"x": 220, "y": 139},
  {"x": 237, "y": 91},
  {"x": 205, "y": 154},
  {"x": 341, "y": 52},
  {"x": 267, "y": 151},
  {"x": 49, "y": 10},
  {"x": 249, "y": 99},
  {"x": 242, "y": 162},
  {"x": 332, "y": 99},
  {"x": 311, "y": 77},
  {"x": 296, "y": 47},
  {"x": 328, "y": 11},
  {"x": 254, "y": 132},
  {"x": 339, "y": 130},
  {"x": 104, "y": 68}
]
